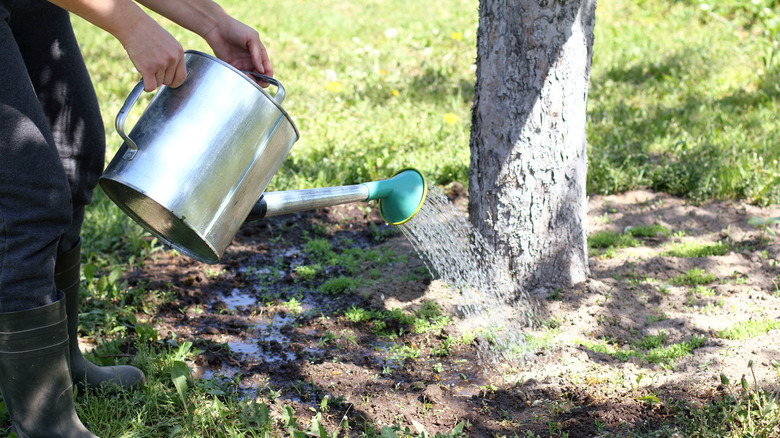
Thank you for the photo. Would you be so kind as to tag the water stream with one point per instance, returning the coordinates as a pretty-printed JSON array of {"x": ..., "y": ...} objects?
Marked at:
[{"x": 492, "y": 305}]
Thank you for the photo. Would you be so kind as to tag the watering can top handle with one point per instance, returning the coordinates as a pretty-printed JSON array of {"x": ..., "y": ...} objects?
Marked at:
[
  {"x": 280, "y": 93},
  {"x": 121, "y": 116}
]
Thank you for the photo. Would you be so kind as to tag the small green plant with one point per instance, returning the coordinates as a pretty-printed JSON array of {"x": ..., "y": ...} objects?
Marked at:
[
  {"x": 607, "y": 239},
  {"x": 693, "y": 277},
  {"x": 749, "y": 329},
  {"x": 308, "y": 272},
  {"x": 696, "y": 249},
  {"x": 319, "y": 249},
  {"x": 648, "y": 231},
  {"x": 341, "y": 285},
  {"x": 649, "y": 349},
  {"x": 667, "y": 355},
  {"x": 745, "y": 410},
  {"x": 651, "y": 341},
  {"x": 358, "y": 314},
  {"x": 764, "y": 226},
  {"x": 293, "y": 305}
]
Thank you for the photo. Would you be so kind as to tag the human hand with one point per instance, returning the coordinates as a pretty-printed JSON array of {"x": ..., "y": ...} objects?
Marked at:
[
  {"x": 239, "y": 45},
  {"x": 156, "y": 54}
]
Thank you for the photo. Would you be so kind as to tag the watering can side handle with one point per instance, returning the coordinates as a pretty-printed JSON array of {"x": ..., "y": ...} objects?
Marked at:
[
  {"x": 280, "y": 93},
  {"x": 121, "y": 116}
]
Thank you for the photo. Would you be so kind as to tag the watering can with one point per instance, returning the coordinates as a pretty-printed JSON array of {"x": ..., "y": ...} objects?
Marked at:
[{"x": 196, "y": 164}]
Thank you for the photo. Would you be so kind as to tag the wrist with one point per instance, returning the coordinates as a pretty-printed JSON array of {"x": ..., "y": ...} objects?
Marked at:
[{"x": 133, "y": 20}]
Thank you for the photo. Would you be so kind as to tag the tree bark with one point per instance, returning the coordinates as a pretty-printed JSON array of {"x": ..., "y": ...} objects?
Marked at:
[{"x": 528, "y": 166}]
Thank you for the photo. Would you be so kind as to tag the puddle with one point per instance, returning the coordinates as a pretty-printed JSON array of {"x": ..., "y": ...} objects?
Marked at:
[
  {"x": 238, "y": 299},
  {"x": 244, "y": 347},
  {"x": 265, "y": 338}
]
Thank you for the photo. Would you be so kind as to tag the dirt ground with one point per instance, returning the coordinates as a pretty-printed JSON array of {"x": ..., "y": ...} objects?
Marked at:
[{"x": 304, "y": 357}]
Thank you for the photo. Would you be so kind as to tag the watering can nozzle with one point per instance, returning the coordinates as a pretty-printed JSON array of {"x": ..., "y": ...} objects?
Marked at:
[{"x": 400, "y": 198}]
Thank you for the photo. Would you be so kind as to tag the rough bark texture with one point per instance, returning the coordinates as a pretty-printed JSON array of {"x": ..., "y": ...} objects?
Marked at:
[{"x": 528, "y": 148}]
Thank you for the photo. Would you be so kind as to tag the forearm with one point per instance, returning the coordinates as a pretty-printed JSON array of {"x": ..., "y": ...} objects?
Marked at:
[
  {"x": 198, "y": 16},
  {"x": 120, "y": 18}
]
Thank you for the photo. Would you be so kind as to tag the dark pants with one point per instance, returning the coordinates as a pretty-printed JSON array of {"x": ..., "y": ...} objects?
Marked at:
[{"x": 52, "y": 147}]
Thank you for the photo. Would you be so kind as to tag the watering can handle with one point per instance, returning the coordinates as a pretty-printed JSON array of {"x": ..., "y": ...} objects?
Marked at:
[
  {"x": 280, "y": 93},
  {"x": 121, "y": 116}
]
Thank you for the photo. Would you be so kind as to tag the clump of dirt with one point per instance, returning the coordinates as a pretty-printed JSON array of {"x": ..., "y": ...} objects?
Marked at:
[{"x": 288, "y": 336}]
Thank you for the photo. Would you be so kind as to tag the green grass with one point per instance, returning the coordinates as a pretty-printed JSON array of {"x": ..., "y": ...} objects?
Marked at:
[
  {"x": 696, "y": 249},
  {"x": 340, "y": 285},
  {"x": 749, "y": 329},
  {"x": 693, "y": 277},
  {"x": 682, "y": 102},
  {"x": 607, "y": 239},
  {"x": 648, "y": 231},
  {"x": 650, "y": 349}
]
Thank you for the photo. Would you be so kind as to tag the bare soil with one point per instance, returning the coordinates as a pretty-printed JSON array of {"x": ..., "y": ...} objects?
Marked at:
[{"x": 302, "y": 357}]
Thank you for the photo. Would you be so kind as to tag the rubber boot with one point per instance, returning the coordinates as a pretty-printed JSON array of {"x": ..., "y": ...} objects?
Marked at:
[
  {"x": 67, "y": 276},
  {"x": 34, "y": 375}
]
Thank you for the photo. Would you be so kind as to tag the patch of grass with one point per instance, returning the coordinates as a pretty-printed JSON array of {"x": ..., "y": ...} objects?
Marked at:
[
  {"x": 687, "y": 107},
  {"x": 649, "y": 349},
  {"x": 429, "y": 318},
  {"x": 308, "y": 272},
  {"x": 749, "y": 329},
  {"x": 697, "y": 249},
  {"x": 173, "y": 403},
  {"x": 670, "y": 353},
  {"x": 650, "y": 342},
  {"x": 745, "y": 409},
  {"x": 693, "y": 277},
  {"x": 607, "y": 239},
  {"x": 392, "y": 323},
  {"x": 357, "y": 314},
  {"x": 340, "y": 285},
  {"x": 319, "y": 249},
  {"x": 648, "y": 231}
]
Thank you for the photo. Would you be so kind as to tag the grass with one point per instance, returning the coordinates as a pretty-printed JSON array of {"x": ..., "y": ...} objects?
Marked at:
[
  {"x": 693, "y": 118},
  {"x": 650, "y": 349},
  {"x": 749, "y": 329},
  {"x": 697, "y": 249},
  {"x": 693, "y": 277}
]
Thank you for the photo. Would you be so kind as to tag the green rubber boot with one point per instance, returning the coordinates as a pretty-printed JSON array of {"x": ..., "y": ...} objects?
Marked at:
[
  {"x": 67, "y": 276},
  {"x": 34, "y": 376}
]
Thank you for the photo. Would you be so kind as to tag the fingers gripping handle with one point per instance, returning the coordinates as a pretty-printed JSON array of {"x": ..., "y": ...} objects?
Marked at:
[
  {"x": 119, "y": 123},
  {"x": 280, "y": 93}
]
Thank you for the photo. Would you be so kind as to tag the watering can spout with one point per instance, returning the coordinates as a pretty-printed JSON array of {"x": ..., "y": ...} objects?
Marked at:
[{"x": 400, "y": 198}]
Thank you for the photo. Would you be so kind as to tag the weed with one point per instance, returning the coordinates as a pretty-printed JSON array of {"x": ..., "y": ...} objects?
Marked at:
[
  {"x": 648, "y": 231},
  {"x": 308, "y": 272},
  {"x": 744, "y": 410},
  {"x": 358, "y": 314},
  {"x": 293, "y": 305},
  {"x": 749, "y": 329},
  {"x": 319, "y": 249},
  {"x": 656, "y": 353},
  {"x": 764, "y": 226},
  {"x": 341, "y": 285},
  {"x": 693, "y": 277},
  {"x": 696, "y": 249},
  {"x": 667, "y": 355},
  {"x": 606, "y": 239}
]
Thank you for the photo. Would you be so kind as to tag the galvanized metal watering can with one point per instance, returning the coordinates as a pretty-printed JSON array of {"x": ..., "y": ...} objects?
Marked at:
[{"x": 194, "y": 167}]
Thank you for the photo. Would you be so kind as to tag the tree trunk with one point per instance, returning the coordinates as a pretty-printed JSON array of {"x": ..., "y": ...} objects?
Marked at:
[{"x": 528, "y": 149}]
